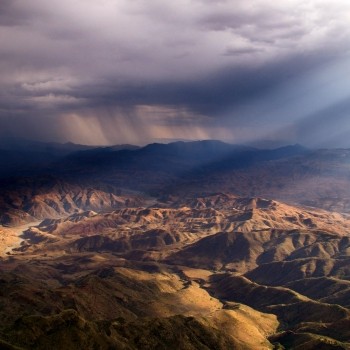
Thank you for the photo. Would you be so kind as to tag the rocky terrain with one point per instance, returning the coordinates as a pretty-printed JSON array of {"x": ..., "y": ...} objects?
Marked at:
[
  {"x": 199, "y": 245},
  {"x": 73, "y": 178},
  {"x": 29, "y": 200},
  {"x": 211, "y": 272}
]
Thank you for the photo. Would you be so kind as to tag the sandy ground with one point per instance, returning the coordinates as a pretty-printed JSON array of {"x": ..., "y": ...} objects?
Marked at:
[{"x": 11, "y": 237}]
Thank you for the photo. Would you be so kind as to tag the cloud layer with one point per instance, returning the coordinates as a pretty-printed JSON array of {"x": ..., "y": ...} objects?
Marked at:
[{"x": 118, "y": 71}]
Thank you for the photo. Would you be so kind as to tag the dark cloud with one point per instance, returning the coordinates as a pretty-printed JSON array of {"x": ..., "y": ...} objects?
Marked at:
[
  {"x": 212, "y": 93},
  {"x": 10, "y": 14},
  {"x": 230, "y": 51},
  {"x": 132, "y": 71}
]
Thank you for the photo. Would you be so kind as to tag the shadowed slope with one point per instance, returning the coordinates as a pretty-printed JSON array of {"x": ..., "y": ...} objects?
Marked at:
[{"x": 229, "y": 266}]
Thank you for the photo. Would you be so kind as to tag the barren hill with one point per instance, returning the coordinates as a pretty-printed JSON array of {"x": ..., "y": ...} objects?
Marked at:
[
  {"x": 28, "y": 200},
  {"x": 243, "y": 272},
  {"x": 185, "y": 245}
]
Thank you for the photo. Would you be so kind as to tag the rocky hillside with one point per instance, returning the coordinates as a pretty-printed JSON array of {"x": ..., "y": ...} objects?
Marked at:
[
  {"x": 27, "y": 200},
  {"x": 245, "y": 273}
]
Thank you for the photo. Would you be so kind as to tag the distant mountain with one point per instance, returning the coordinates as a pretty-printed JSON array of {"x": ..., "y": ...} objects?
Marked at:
[
  {"x": 202, "y": 149},
  {"x": 171, "y": 159},
  {"x": 162, "y": 168},
  {"x": 25, "y": 157},
  {"x": 52, "y": 148},
  {"x": 198, "y": 151},
  {"x": 319, "y": 178},
  {"x": 55, "y": 148}
]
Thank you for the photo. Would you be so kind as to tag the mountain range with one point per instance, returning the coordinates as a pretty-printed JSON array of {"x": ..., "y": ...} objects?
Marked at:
[{"x": 188, "y": 245}]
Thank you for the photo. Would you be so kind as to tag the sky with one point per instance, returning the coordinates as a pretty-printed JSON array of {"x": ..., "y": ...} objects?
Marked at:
[{"x": 140, "y": 71}]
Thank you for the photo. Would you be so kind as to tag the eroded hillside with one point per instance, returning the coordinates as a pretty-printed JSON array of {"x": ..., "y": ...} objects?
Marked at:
[{"x": 245, "y": 273}]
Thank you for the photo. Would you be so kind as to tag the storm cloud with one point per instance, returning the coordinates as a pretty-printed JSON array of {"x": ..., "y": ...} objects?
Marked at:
[{"x": 116, "y": 71}]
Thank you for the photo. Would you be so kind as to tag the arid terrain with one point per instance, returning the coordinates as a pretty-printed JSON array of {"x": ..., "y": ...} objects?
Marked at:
[
  {"x": 174, "y": 175},
  {"x": 100, "y": 266},
  {"x": 210, "y": 272}
]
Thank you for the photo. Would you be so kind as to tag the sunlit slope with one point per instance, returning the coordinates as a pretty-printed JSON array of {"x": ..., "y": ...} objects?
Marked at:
[
  {"x": 30, "y": 200},
  {"x": 225, "y": 271},
  {"x": 78, "y": 303}
]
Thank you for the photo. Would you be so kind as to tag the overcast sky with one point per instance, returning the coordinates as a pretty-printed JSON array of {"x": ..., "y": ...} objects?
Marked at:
[{"x": 138, "y": 71}]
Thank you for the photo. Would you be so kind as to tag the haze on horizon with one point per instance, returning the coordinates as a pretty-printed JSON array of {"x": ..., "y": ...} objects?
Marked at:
[{"x": 121, "y": 71}]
